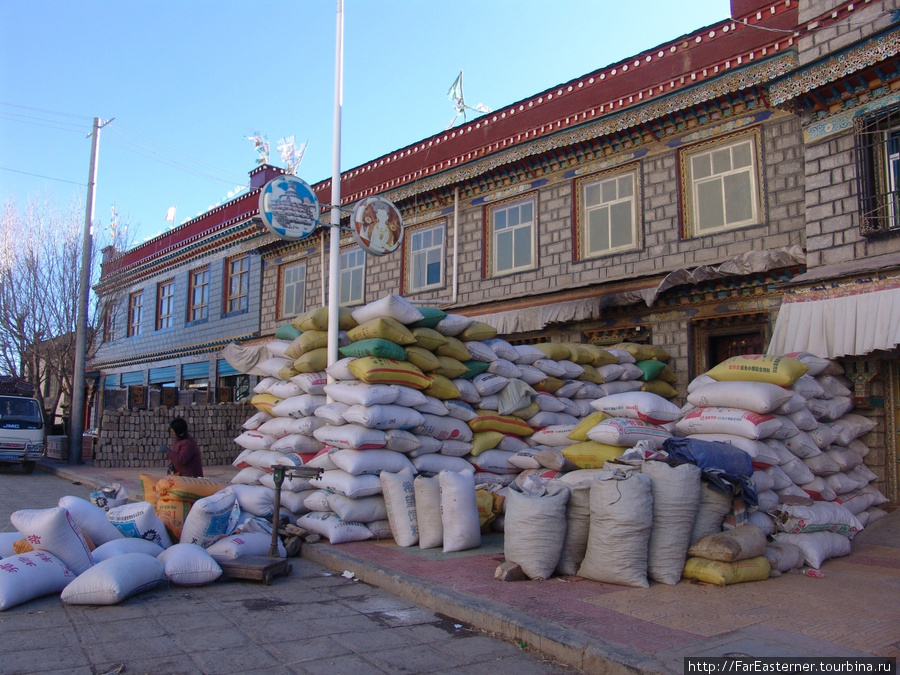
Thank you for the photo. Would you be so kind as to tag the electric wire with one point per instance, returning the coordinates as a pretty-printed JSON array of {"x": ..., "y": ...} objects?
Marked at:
[{"x": 37, "y": 175}]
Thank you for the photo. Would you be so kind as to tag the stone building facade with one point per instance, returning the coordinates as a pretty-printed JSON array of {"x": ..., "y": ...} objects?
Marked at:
[{"x": 681, "y": 197}]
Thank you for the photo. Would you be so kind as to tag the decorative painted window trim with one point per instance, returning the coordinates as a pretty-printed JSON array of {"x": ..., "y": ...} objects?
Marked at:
[
  {"x": 410, "y": 256},
  {"x": 580, "y": 222},
  {"x": 687, "y": 184},
  {"x": 490, "y": 249}
]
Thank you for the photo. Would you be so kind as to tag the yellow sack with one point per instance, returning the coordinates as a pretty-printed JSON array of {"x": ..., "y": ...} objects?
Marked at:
[
  {"x": 441, "y": 387},
  {"x": 306, "y": 342},
  {"x": 313, "y": 361},
  {"x": 554, "y": 351},
  {"x": 660, "y": 388},
  {"x": 317, "y": 319},
  {"x": 725, "y": 573},
  {"x": 667, "y": 374},
  {"x": 385, "y": 328},
  {"x": 450, "y": 367},
  {"x": 287, "y": 372},
  {"x": 22, "y": 546},
  {"x": 429, "y": 339},
  {"x": 504, "y": 424},
  {"x": 640, "y": 352},
  {"x": 374, "y": 370},
  {"x": 601, "y": 356},
  {"x": 485, "y": 440},
  {"x": 580, "y": 431},
  {"x": 490, "y": 505},
  {"x": 528, "y": 411},
  {"x": 591, "y": 374},
  {"x": 478, "y": 331},
  {"x": 265, "y": 402},
  {"x": 172, "y": 513},
  {"x": 186, "y": 488},
  {"x": 550, "y": 385},
  {"x": 454, "y": 349},
  {"x": 577, "y": 354},
  {"x": 422, "y": 358},
  {"x": 780, "y": 370},
  {"x": 148, "y": 488},
  {"x": 590, "y": 454}
]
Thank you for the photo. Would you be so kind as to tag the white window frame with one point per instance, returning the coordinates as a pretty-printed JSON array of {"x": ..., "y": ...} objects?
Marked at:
[
  {"x": 609, "y": 205},
  {"x": 293, "y": 288},
  {"x": 353, "y": 276},
  {"x": 717, "y": 180},
  {"x": 503, "y": 235},
  {"x": 421, "y": 255},
  {"x": 135, "y": 313},
  {"x": 165, "y": 304}
]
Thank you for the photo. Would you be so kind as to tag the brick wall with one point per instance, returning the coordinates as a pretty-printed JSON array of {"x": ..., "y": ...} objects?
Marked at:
[
  {"x": 823, "y": 40},
  {"x": 132, "y": 438}
]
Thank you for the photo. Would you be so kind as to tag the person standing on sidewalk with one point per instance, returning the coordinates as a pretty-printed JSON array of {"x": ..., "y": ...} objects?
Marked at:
[{"x": 184, "y": 453}]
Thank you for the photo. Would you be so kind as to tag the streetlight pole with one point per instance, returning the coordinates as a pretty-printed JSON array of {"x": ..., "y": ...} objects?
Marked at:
[{"x": 334, "y": 237}]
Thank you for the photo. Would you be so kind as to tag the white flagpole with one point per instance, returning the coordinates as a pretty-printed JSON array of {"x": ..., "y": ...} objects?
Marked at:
[{"x": 334, "y": 239}]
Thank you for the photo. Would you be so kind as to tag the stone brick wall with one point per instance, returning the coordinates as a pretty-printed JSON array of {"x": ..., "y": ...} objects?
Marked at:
[
  {"x": 820, "y": 41},
  {"x": 132, "y": 438}
]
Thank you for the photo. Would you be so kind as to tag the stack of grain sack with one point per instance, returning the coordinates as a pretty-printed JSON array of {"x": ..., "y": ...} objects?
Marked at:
[
  {"x": 792, "y": 415},
  {"x": 420, "y": 399},
  {"x": 765, "y": 447}
]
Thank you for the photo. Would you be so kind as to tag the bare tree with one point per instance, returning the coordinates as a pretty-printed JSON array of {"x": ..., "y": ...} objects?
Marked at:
[{"x": 40, "y": 263}]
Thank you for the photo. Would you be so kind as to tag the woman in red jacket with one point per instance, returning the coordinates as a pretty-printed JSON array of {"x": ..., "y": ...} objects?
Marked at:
[{"x": 184, "y": 454}]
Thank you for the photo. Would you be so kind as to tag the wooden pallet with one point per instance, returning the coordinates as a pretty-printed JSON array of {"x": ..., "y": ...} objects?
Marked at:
[{"x": 255, "y": 567}]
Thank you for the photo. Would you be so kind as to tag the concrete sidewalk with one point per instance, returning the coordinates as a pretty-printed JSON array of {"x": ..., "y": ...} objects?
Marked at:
[{"x": 852, "y": 611}]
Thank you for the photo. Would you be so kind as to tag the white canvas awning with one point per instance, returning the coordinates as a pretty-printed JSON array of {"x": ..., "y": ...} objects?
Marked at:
[{"x": 846, "y": 322}]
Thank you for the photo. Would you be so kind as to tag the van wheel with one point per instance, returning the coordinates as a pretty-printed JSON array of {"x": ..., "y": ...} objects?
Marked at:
[{"x": 28, "y": 467}]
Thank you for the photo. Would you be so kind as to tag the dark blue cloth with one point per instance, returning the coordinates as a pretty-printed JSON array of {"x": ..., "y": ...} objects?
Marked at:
[{"x": 728, "y": 468}]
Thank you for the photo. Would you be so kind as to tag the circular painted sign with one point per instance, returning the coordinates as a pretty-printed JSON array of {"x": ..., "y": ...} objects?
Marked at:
[
  {"x": 377, "y": 226},
  {"x": 289, "y": 207}
]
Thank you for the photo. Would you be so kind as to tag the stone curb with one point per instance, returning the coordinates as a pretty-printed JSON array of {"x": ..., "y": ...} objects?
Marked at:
[{"x": 566, "y": 645}]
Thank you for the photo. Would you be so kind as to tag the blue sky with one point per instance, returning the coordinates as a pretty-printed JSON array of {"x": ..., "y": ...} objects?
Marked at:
[{"x": 188, "y": 81}]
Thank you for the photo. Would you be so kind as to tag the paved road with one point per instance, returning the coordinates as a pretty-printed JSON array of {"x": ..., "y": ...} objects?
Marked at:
[{"x": 311, "y": 622}]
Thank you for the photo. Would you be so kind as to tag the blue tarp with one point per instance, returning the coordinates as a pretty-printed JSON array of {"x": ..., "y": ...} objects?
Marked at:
[{"x": 726, "y": 466}]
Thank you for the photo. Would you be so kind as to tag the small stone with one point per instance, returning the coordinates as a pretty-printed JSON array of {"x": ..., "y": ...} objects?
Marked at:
[{"x": 509, "y": 571}]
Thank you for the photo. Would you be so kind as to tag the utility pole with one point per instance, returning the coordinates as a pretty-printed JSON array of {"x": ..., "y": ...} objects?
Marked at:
[{"x": 76, "y": 409}]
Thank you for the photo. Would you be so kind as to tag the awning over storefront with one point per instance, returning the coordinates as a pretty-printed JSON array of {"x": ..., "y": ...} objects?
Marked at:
[
  {"x": 851, "y": 320},
  {"x": 538, "y": 317}
]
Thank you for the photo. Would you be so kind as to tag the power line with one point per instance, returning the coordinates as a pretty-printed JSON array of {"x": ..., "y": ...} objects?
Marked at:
[
  {"x": 50, "y": 112},
  {"x": 50, "y": 124},
  {"x": 37, "y": 175}
]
